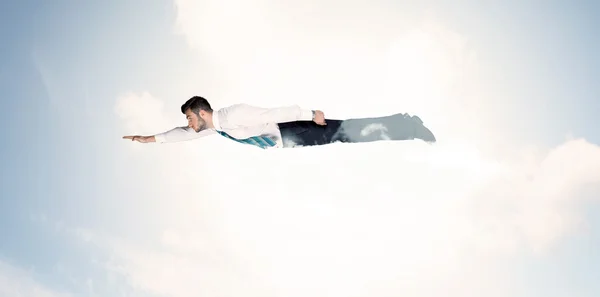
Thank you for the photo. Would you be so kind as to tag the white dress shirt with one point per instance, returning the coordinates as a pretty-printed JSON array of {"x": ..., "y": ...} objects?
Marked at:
[{"x": 242, "y": 121}]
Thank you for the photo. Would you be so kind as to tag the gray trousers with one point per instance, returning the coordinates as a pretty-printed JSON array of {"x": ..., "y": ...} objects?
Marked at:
[{"x": 393, "y": 127}]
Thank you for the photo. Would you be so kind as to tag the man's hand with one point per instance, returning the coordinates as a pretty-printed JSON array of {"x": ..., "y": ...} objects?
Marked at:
[
  {"x": 139, "y": 138},
  {"x": 319, "y": 117}
]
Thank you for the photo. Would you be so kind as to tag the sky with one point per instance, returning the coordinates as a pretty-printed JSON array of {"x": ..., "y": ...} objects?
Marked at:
[{"x": 504, "y": 204}]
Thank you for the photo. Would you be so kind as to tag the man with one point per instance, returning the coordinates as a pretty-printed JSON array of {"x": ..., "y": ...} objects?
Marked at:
[{"x": 288, "y": 126}]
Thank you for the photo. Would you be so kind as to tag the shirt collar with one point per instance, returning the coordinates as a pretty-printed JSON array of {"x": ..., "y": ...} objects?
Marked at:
[{"x": 215, "y": 120}]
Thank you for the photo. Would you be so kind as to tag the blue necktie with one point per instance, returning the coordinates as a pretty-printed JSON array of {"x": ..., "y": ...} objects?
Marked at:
[{"x": 260, "y": 141}]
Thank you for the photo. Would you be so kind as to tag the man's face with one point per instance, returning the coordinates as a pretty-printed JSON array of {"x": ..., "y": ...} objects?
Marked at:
[{"x": 194, "y": 121}]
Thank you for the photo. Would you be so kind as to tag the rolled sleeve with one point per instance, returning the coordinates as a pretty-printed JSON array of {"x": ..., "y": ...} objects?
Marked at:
[{"x": 305, "y": 115}]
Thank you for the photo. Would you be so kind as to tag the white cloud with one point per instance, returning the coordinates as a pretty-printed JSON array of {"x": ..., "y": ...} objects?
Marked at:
[
  {"x": 363, "y": 60},
  {"x": 540, "y": 204},
  {"x": 18, "y": 282},
  {"x": 358, "y": 220}
]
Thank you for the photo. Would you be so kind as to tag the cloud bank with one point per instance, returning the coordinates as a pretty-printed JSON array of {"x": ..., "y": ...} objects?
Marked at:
[
  {"x": 386, "y": 220},
  {"x": 377, "y": 219},
  {"x": 382, "y": 219}
]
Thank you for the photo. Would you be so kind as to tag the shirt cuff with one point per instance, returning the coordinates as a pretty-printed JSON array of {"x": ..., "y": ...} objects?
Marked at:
[
  {"x": 159, "y": 138},
  {"x": 306, "y": 115}
]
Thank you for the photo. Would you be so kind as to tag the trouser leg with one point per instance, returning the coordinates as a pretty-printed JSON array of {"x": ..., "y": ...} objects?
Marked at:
[
  {"x": 307, "y": 133},
  {"x": 394, "y": 127}
]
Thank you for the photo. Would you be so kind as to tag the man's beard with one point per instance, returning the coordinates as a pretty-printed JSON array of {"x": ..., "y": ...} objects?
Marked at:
[{"x": 201, "y": 125}]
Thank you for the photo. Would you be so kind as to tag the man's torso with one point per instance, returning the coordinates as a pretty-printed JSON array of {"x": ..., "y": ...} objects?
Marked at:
[{"x": 224, "y": 120}]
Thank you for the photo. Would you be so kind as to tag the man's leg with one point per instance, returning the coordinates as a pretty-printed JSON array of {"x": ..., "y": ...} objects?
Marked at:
[
  {"x": 394, "y": 127},
  {"x": 307, "y": 133}
]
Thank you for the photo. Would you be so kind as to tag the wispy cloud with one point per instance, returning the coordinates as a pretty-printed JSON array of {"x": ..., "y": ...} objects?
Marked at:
[
  {"x": 142, "y": 113},
  {"x": 18, "y": 282}
]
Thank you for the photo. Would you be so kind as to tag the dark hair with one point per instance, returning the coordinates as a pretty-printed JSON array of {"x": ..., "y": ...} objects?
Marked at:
[{"x": 196, "y": 104}]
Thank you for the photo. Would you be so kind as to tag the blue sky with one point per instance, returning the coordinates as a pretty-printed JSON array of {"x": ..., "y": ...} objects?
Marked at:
[{"x": 67, "y": 173}]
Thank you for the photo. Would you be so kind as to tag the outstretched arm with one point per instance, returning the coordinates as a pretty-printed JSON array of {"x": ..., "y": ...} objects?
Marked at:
[
  {"x": 140, "y": 138},
  {"x": 174, "y": 135},
  {"x": 248, "y": 115}
]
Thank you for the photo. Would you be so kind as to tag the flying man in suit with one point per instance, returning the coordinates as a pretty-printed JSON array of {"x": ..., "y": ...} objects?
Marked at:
[{"x": 284, "y": 127}]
